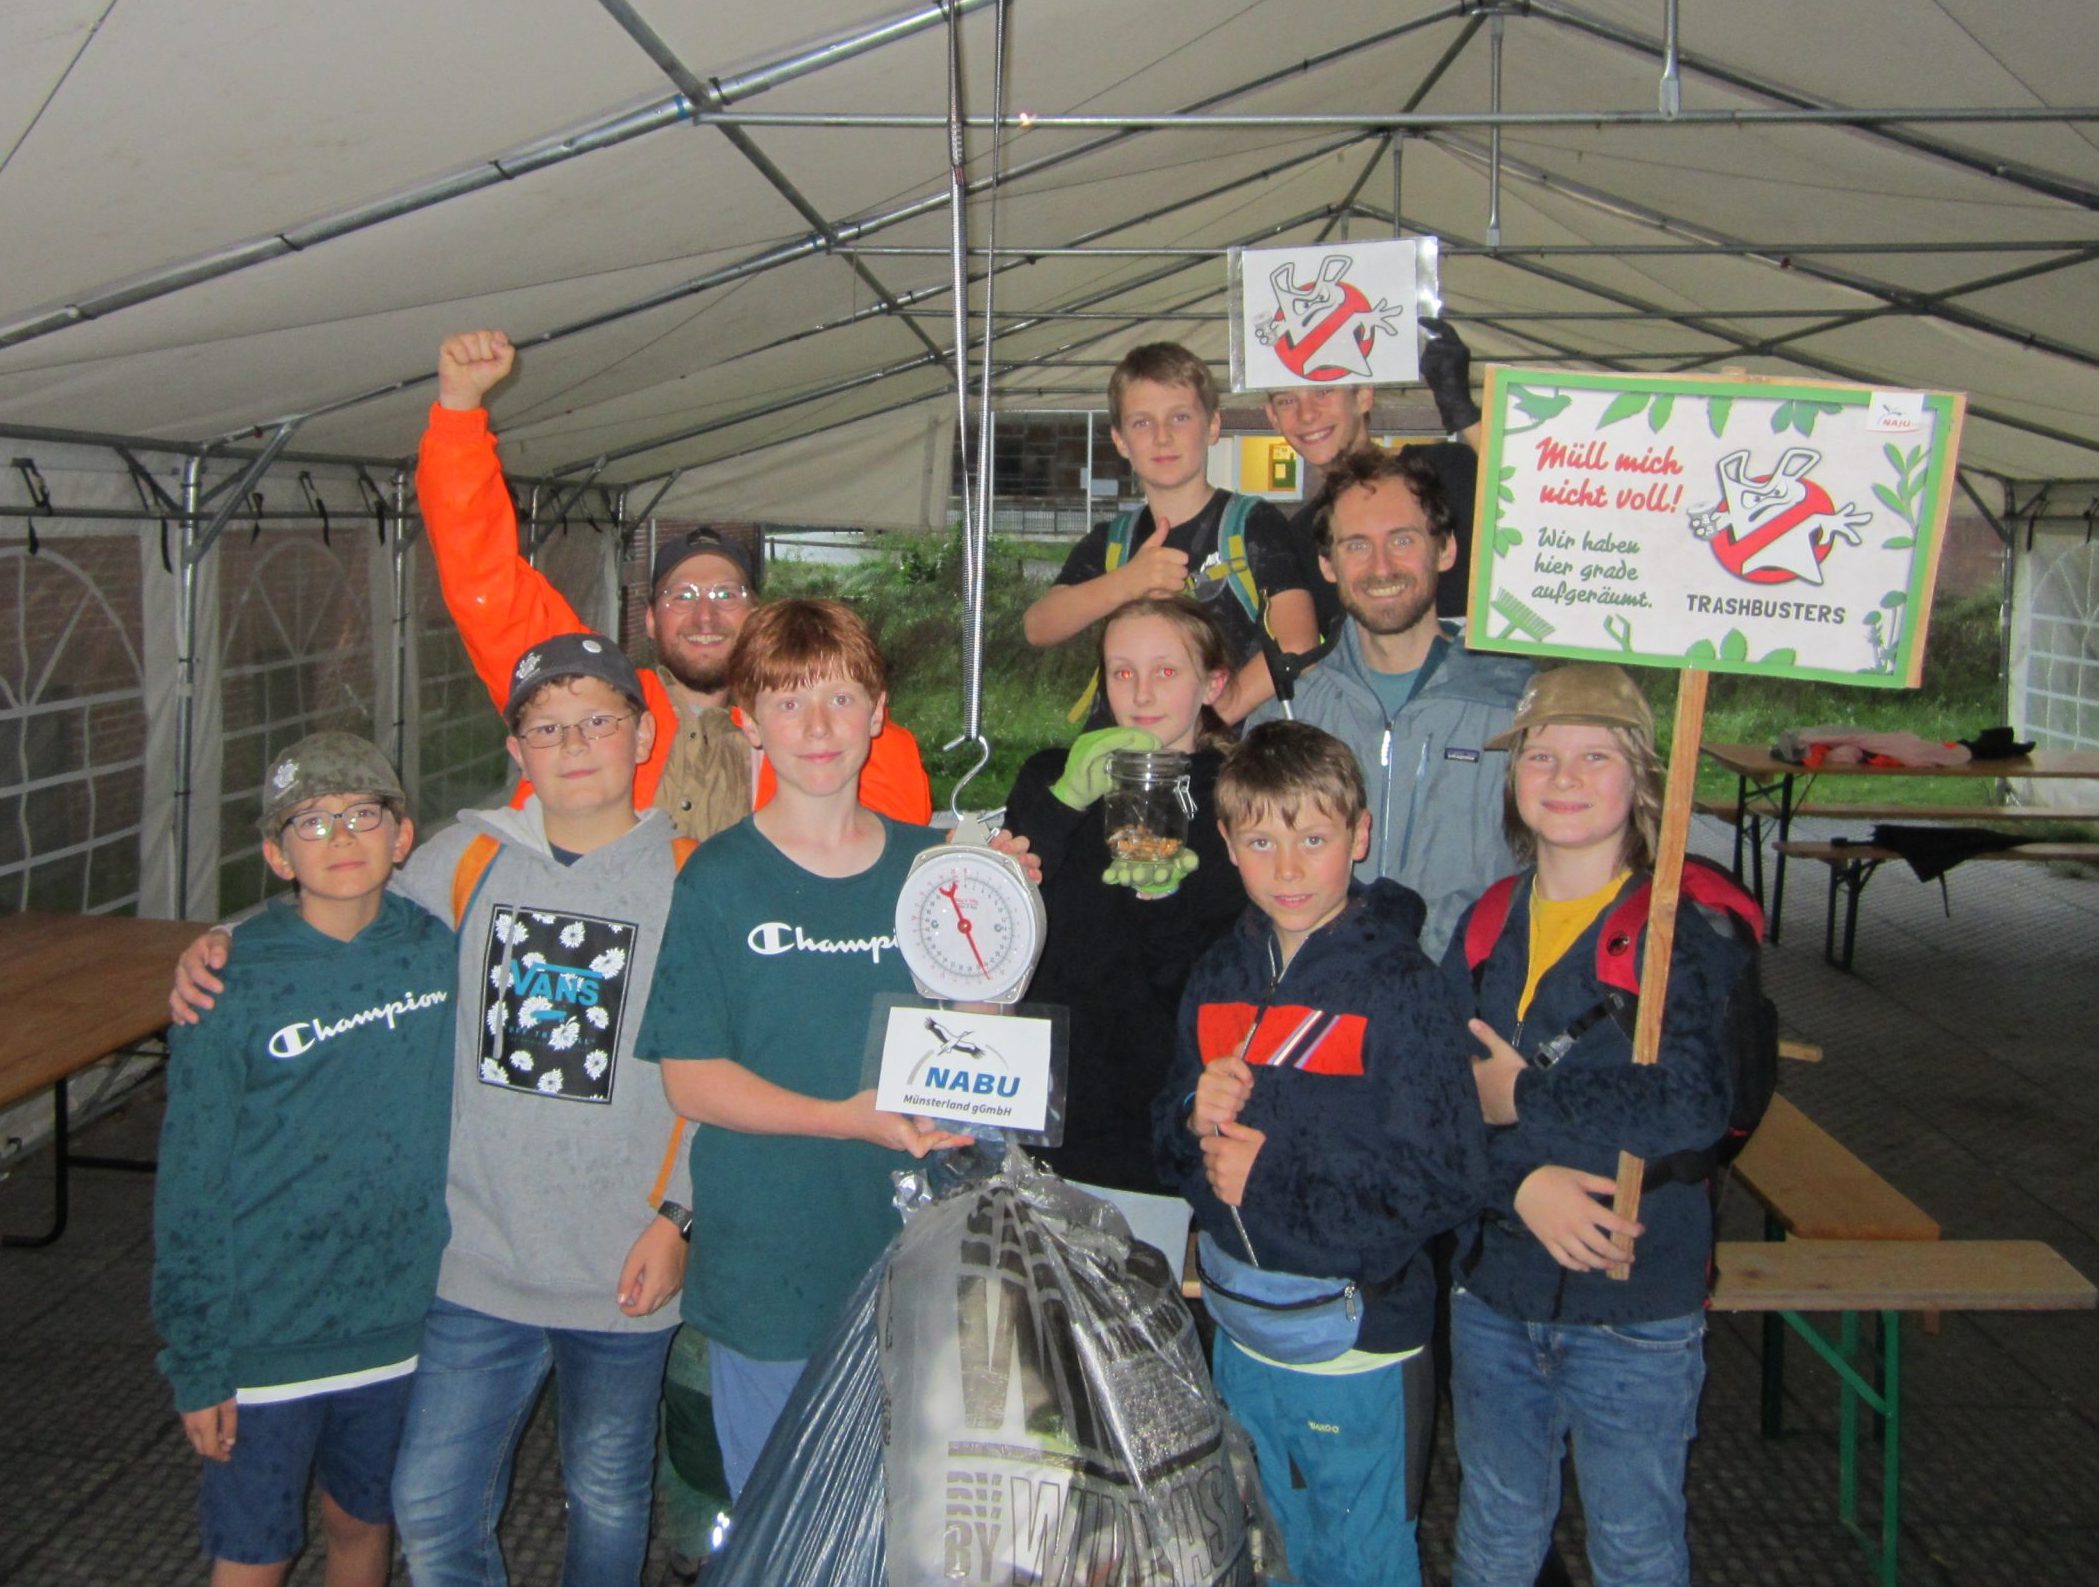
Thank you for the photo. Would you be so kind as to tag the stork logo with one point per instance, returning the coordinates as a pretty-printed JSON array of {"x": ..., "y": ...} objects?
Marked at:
[
  {"x": 1325, "y": 330},
  {"x": 949, "y": 1064},
  {"x": 1778, "y": 527}
]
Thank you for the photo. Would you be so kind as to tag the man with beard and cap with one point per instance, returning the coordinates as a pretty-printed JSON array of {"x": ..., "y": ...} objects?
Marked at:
[
  {"x": 1322, "y": 423},
  {"x": 701, "y": 772},
  {"x": 1402, "y": 691}
]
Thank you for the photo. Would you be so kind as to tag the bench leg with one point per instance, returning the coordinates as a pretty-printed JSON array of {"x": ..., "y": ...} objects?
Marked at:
[
  {"x": 1848, "y": 879},
  {"x": 1882, "y": 1395},
  {"x": 1774, "y": 1354},
  {"x": 62, "y": 1162}
]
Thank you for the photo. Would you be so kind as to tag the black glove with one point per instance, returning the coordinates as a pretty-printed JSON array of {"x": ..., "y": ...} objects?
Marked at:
[{"x": 1446, "y": 369}]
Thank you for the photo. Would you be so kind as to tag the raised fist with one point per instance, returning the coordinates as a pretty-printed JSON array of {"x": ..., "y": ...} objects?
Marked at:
[{"x": 468, "y": 364}]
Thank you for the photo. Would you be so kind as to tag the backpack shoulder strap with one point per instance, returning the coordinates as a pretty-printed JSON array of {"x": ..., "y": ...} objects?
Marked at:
[
  {"x": 1484, "y": 929},
  {"x": 474, "y": 861},
  {"x": 1713, "y": 887},
  {"x": 1231, "y": 544},
  {"x": 1704, "y": 884},
  {"x": 1617, "y": 956},
  {"x": 1122, "y": 539}
]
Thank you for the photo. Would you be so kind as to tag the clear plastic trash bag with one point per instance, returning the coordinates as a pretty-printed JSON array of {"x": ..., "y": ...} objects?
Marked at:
[{"x": 1015, "y": 1395}]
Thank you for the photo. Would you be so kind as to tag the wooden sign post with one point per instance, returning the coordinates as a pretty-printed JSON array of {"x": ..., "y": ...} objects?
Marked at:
[{"x": 1787, "y": 529}]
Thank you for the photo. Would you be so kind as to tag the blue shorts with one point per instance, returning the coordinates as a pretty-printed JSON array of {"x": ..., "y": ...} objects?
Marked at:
[{"x": 252, "y": 1508}]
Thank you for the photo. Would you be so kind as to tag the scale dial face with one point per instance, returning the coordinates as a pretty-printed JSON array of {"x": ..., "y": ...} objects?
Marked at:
[{"x": 970, "y": 925}]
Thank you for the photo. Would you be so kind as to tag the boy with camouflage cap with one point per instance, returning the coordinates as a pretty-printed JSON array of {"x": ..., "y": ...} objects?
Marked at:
[{"x": 295, "y": 1259}]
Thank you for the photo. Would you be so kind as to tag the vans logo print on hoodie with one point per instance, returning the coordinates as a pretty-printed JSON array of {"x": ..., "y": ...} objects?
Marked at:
[
  {"x": 553, "y": 996},
  {"x": 1289, "y": 1037}
]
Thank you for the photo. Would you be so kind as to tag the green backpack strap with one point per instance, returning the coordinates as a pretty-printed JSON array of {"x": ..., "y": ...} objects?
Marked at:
[
  {"x": 1231, "y": 544},
  {"x": 1122, "y": 539}
]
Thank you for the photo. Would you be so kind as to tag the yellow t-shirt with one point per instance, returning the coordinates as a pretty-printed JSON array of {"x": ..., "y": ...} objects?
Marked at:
[{"x": 1556, "y": 924}]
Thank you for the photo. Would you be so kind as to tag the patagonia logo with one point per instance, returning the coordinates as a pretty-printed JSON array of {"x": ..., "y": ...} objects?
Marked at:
[{"x": 1461, "y": 754}]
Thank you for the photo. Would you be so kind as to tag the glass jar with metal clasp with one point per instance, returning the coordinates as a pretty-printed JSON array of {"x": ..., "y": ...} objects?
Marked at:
[{"x": 1149, "y": 804}]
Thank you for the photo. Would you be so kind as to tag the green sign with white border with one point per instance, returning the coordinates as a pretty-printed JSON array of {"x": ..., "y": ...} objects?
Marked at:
[{"x": 1777, "y": 527}]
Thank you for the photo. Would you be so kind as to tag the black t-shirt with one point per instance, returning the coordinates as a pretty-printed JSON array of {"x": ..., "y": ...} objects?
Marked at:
[
  {"x": 1268, "y": 552},
  {"x": 1457, "y": 469},
  {"x": 1118, "y": 963}
]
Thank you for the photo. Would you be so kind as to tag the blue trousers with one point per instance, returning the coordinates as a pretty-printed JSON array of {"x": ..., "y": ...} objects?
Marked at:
[
  {"x": 1335, "y": 1462},
  {"x": 749, "y": 1396},
  {"x": 1627, "y": 1394},
  {"x": 475, "y": 1386}
]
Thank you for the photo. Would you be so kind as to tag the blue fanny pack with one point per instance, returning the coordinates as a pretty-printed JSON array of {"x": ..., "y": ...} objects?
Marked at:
[{"x": 1286, "y": 1317}]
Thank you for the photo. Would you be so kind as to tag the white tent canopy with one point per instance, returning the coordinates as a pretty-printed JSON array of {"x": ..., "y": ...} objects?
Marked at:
[
  {"x": 222, "y": 217},
  {"x": 234, "y": 234}
]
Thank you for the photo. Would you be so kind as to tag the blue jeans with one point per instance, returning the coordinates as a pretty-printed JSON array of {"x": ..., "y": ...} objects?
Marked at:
[
  {"x": 475, "y": 1386},
  {"x": 1628, "y": 1395},
  {"x": 1334, "y": 1454},
  {"x": 749, "y": 1396}
]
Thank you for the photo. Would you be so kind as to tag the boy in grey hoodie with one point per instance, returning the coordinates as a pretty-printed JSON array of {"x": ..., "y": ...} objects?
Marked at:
[{"x": 569, "y": 1188}]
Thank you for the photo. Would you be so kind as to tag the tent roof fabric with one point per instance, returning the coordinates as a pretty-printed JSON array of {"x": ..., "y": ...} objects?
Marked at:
[{"x": 265, "y": 213}]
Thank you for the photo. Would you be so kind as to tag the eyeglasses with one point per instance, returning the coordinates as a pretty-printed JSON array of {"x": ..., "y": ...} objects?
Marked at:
[
  {"x": 599, "y": 724},
  {"x": 714, "y": 594},
  {"x": 318, "y": 826}
]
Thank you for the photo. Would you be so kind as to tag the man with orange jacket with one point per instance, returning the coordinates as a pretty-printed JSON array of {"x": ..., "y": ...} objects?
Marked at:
[{"x": 701, "y": 772}]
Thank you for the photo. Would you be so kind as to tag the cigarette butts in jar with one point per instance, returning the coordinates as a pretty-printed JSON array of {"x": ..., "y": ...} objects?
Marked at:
[{"x": 1148, "y": 804}]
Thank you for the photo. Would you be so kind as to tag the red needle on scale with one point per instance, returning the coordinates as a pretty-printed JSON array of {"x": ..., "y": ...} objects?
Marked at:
[{"x": 969, "y": 930}]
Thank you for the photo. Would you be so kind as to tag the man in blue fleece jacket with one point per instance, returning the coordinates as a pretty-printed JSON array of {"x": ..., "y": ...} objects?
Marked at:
[
  {"x": 1322, "y": 1119},
  {"x": 295, "y": 1257}
]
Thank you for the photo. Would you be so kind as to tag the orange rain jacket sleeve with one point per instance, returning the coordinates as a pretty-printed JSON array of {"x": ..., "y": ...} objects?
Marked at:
[{"x": 503, "y": 606}]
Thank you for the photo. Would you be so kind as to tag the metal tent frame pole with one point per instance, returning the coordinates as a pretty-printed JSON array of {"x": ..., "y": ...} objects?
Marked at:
[
  {"x": 601, "y": 133},
  {"x": 186, "y": 679}
]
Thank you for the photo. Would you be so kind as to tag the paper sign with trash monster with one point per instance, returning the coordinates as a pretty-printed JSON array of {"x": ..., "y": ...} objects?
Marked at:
[
  {"x": 1786, "y": 528},
  {"x": 1334, "y": 314}
]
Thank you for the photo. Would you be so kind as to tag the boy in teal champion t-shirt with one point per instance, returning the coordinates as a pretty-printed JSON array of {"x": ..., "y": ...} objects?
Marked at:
[
  {"x": 299, "y": 1212},
  {"x": 783, "y": 931}
]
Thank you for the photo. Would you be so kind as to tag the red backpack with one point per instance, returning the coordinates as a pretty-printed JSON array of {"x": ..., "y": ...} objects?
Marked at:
[{"x": 1749, "y": 1036}]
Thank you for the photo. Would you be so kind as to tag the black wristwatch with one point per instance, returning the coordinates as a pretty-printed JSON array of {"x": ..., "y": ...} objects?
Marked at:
[{"x": 680, "y": 1217}]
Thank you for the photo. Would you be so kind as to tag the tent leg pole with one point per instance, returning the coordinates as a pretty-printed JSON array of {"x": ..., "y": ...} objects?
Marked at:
[
  {"x": 1399, "y": 144},
  {"x": 1494, "y": 31},
  {"x": 404, "y": 631},
  {"x": 186, "y": 680}
]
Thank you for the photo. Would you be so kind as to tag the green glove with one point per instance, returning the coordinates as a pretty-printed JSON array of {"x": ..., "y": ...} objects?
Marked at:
[
  {"x": 1153, "y": 878},
  {"x": 1085, "y": 776}
]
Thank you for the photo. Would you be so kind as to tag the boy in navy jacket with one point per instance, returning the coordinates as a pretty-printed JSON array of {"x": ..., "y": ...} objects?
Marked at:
[{"x": 1322, "y": 1120}]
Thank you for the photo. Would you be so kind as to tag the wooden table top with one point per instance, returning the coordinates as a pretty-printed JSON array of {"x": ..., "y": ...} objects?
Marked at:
[
  {"x": 1756, "y": 760},
  {"x": 85, "y": 985}
]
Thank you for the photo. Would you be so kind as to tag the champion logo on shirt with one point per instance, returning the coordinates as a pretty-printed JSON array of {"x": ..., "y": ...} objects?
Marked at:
[
  {"x": 302, "y": 1036},
  {"x": 770, "y": 938}
]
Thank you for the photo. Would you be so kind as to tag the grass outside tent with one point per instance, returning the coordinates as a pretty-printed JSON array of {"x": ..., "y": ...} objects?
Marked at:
[{"x": 908, "y": 595}]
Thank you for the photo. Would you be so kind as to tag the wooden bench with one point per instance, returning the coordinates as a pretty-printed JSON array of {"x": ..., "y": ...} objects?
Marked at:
[
  {"x": 1887, "y": 1278},
  {"x": 1852, "y": 865},
  {"x": 1812, "y": 1188},
  {"x": 1747, "y": 818}
]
